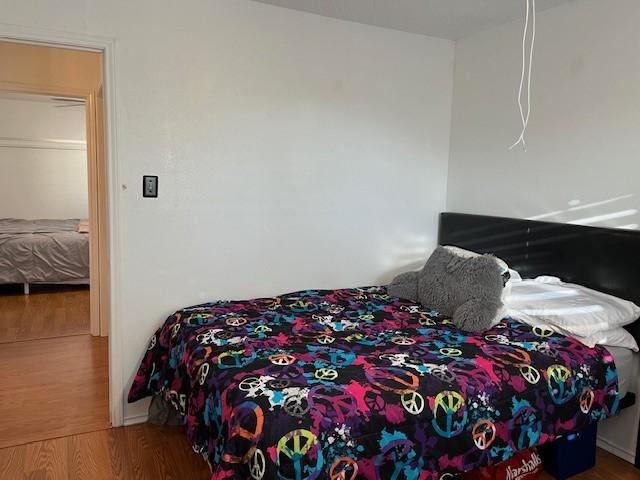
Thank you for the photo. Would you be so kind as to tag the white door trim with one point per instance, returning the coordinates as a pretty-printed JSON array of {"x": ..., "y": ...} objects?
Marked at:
[{"x": 107, "y": 46}]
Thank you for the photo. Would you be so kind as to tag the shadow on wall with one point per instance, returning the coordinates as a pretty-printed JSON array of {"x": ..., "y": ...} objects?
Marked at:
[
  {"x": 408, "y": 254},
  {"x": 616, "y": 212}
]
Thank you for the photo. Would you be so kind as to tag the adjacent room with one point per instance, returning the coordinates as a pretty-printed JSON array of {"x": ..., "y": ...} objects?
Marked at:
[
  {"x": 44, "y": 199},
  {"x": 51, "y": 350},
  {"x": 319, "y": 239}
]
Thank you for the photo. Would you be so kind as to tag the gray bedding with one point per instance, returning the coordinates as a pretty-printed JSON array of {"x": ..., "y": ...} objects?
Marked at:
[{"x": 41, "y": 251}]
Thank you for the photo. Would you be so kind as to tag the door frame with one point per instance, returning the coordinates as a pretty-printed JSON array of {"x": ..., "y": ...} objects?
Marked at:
[
  {"x": 105, "y": 45},
  {"x": 98, "y": 251}
]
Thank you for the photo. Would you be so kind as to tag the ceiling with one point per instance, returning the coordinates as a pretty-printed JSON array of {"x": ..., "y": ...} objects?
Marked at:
[{"x": 451, "y": 19}]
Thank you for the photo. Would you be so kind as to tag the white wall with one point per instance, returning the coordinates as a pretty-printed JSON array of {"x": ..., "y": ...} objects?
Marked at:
[
  {"x": 583, "y": 140},
  {"x": 583, "y": 158},
  {"x": 293, "y": 150},
  {"x": 42, "y": 182}
]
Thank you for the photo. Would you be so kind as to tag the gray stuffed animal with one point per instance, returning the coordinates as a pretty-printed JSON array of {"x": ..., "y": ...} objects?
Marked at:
[{"x": 464, "y": 286}]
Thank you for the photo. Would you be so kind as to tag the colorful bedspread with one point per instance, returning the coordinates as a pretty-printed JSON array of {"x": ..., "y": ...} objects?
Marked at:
[{"x": 354, "y": 383}]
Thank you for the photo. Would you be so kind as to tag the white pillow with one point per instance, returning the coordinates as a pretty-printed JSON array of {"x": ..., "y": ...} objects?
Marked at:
[
  {"x": 515, "y": 276},
  {"x": 611, "y": 338},
  {"x": 567, "y": 308}
]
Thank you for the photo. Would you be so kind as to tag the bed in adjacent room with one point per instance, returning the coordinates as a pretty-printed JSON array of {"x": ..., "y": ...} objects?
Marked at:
[{"x": 43, "y": 251}]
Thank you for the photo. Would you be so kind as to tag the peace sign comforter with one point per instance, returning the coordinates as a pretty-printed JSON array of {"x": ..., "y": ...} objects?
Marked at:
[{"x": 354, "y": 384}]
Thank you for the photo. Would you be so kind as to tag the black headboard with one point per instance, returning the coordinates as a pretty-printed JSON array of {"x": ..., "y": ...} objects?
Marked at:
[{"x": 604, "y": 259}]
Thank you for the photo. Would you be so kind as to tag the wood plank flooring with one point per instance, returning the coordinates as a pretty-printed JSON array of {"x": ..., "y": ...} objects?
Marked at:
[
  {"x": 57, "y": 389},
  {"x": 148, "y": 452},
  {"x": 53, "y": 387},
  {"x": 138, "y": 452},
  {"x": 49, "y": 311}
]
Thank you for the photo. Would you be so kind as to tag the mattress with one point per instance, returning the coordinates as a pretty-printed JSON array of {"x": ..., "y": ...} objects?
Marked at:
[
  {"x": 358, "y": 384},
  {"x": 40, "y": 251},
  {"x": 625, "y": 361}
]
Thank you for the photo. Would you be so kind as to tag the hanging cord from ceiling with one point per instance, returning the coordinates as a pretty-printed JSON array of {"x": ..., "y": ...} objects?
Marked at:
[{"x": 526, "y": 71}]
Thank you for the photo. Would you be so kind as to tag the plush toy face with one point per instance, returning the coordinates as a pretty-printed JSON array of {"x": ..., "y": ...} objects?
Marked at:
[{"x": 463, "y": 285}]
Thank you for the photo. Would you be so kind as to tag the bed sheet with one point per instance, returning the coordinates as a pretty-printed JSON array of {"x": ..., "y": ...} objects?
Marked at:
[
  {"x": 625, "y": 361},
  {"x": 40, "y": 251}
]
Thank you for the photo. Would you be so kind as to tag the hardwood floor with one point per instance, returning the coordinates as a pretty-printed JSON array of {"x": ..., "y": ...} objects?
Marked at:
[
  {"x": 58, "y": 387},
  {"x": 137, "y": 452},
  {"x": 49, "y": 311},
  {"x": 147, "y": 452},
  {"x": 53, "y": 387}
]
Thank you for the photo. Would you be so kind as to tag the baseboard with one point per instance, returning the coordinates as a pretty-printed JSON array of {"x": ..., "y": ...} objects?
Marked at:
[
  {"x": 135, "y": 419},
  {"x": 615, "y": 450}
]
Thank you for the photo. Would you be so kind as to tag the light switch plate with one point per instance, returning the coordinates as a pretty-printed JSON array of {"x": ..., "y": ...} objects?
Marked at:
[{"x": 150, "y": 186}]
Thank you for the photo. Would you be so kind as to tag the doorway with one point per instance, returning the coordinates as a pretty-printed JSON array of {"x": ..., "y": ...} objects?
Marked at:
[
  {"x": 54, "y": 275},
  {"x": 44, "y": 235}
]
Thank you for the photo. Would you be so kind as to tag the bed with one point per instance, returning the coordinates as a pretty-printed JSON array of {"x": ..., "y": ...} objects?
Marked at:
[
  {"x": 43, "y": 251},
  {"x": 604, "y": 259},
  {"x": 354, "y": 383}
]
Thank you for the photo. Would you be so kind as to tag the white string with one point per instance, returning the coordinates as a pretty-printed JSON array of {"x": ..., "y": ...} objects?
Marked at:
[
  {"x": 524, "y": 67},
  {"x": 531, "y": 6}
]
